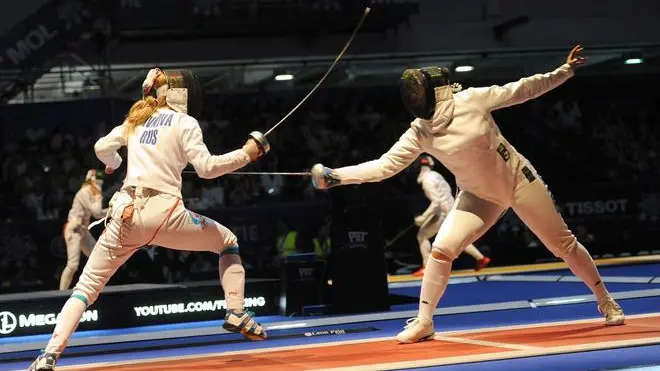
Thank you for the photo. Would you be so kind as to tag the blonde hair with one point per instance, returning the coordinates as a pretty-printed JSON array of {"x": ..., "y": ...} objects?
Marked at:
[
  {"x": 92, "y": 186},
  {"x": 145, "y": 107}
]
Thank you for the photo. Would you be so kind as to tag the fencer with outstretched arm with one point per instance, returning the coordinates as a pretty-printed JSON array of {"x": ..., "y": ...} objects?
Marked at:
[
  {"x": 457, "y": 128},
  {"x": 162, "y": 137},
  {"x": 438, "y": 191}
]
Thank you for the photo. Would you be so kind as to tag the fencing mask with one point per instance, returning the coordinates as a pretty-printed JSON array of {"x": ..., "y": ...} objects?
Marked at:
[
  {"x": 418, "y": 90},
  {"x": 183, "y": 92}
]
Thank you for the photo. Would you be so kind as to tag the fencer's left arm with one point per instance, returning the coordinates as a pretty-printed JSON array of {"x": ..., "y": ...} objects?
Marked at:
[
  {"x": 106, "y": 147},
  {"x": 399, "y": 156},
  {"x": 517, "y": 92}
]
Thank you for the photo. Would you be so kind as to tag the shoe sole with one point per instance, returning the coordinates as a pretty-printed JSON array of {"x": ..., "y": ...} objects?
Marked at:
[
  {"x": 616, "y": 323},
  {"x": 229, "y": 327},
  {"x": 41, "y": 369},
  {"x": 250, "y": 336},
  {"x": 425, "y": 338},
  {"x": 33, "y": 367}
]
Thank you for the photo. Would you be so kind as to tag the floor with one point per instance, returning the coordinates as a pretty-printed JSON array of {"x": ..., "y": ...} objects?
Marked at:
[{"x": 516, "y": 318}]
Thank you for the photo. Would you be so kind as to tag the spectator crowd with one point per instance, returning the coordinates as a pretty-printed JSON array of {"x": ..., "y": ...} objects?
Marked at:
[{"x": 580, "y": 134}]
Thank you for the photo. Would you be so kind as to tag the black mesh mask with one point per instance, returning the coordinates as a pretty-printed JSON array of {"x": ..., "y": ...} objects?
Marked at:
[{"x": 417, "y": 86}]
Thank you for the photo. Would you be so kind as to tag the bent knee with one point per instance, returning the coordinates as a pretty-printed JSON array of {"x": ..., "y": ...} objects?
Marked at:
[
  {"x": 231, "y": 250},
  {"x": 225, "y": 243},
  {"x": 564, "y": 246},
  {"x": 230, "y": 242},
  {"x": 444, "y": 254}
]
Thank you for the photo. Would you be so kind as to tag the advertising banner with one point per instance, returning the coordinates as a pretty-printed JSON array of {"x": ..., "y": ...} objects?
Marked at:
[
  {"x": 41, "y": 35},
  {"x": 122, "y": 307}
]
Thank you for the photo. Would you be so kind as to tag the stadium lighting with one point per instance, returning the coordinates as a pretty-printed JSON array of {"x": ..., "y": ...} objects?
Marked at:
[
  {"x": 634, "y": 61},
  {"x": 464, "y": 68},
  {"x": 284, "y": 77}
]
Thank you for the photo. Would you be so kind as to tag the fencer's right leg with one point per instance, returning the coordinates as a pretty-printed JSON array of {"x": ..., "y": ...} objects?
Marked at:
[
  {"x": 469, "y": 218},
  {"x": 73, "y": 240},
  {"x": 232, "y": 278},
  {"x": 187, "y": 230},
  {"x": 103, "y": 262}
]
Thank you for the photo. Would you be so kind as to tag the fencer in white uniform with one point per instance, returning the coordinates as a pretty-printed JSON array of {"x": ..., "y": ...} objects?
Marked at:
[
  {"x": 438, "y": 191},
  {"x": 87, "y": 203},
  {"x": 457, "y": 128},
  {"x": 162, "y": 137}
]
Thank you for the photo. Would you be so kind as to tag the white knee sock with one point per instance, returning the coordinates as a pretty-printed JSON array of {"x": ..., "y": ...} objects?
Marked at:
[
  {"x": 583, "y": 266},
  {"x": 66, "y": 324},
  {"x": 232, "y": 278},
  {"x": 474, "y": 252},
  {"x": 434, "y": 283},
  {"x": 425, "y": 250}
]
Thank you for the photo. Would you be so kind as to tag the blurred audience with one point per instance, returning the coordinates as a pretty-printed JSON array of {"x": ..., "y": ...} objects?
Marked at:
[{"x": 570, "y": 137}]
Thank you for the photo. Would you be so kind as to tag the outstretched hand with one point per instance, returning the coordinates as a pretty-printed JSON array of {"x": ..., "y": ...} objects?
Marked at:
[
  {"x": 256, "y": 145},
  {"x": 574, "y": 58},
  {"x": 324, "y": 177},
  {"x": 252, "y": 149}
]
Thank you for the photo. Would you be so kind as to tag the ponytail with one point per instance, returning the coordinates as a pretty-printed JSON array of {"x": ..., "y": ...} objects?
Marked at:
[{"x": 145, "y": 107}]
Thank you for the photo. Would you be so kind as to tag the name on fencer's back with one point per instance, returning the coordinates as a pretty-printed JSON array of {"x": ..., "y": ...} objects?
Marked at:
[{"x": 153, "y": 124}]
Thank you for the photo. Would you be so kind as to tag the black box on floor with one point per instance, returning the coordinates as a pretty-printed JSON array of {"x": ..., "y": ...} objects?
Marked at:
[
  {"x": 358, "y": 269},
  {"x": 301, "y": 282}
]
